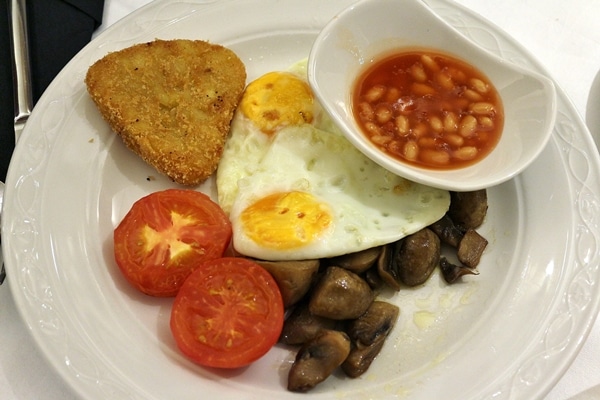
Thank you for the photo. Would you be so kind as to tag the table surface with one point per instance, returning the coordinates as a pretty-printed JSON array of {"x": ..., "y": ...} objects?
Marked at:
[{"x": 563, "y": 36}]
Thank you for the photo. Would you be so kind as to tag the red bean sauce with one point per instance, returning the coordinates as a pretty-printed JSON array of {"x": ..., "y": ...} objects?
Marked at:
[{"x": 429, "y": 109}]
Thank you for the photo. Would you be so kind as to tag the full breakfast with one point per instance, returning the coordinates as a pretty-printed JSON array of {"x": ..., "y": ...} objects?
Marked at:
[
  {"x": 305, "y": 233},
  {"x": 429, "y": 109}
]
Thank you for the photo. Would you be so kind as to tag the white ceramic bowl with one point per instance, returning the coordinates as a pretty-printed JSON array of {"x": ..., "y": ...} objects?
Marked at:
[{"x": 362, "y": 33}]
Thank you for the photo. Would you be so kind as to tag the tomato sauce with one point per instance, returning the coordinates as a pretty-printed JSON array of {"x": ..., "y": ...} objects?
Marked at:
[{"x": 428, "y": 108}]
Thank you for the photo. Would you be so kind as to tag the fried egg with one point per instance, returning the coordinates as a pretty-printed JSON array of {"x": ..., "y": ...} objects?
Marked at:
[
  {"x": 269, "y": 103},
  {"x": 295, "y": 188}
]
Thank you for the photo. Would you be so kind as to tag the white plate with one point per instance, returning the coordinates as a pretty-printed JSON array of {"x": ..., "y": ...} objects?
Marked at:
[{"x": 511, "y": 332}]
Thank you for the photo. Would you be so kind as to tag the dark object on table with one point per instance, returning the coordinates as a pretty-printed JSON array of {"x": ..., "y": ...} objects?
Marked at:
[{"x": 58, "y": 29}]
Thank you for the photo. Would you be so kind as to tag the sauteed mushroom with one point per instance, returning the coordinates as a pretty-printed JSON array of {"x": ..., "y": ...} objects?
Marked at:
[
  {"x": 387, "y": 268},
  {"x": 294, "y": 278},
  {"x": 452, "y": 272},
  {"x": 302, "y": 326},
  {"x": 368, "y": 333},
  {"x": 447, "y": 231},
  {"x": 360, "y": 358},
  {"x": 340, "y": 294},
  {"x": 317, "y": 359},
  {"x": 359, "y": 261},
  {"x": 471, "y": 248},
  {"x": 376, "y": 322},
  {"x": 468, "y": 209},
  {"x": 373, "y": 278},
  {"x": 417, "y": 256}
]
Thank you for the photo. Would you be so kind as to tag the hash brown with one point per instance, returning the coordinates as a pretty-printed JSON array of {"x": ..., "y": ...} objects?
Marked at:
[{"x": 171, "y": 102}]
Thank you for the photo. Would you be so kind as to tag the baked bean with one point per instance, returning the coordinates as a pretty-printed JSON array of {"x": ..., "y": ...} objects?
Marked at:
[
  {"x": 366, "y": 111},
  {"x": 418, "y": 73},
  {"x": 435, "y": 157},
  {"x": 473, "y": 95},
  {"x": 479, "y": 85},
  {"x": 454, "y": 140},
  {"x": 375, "y": 93},
  {"x": 482, "y": 107},
  {"x": 466, "y": 153},
  {"x": 429, "y": 109},
  {"x": 486, "y": 122},
  {"x": 436, "y": 124},
  {"x": 383, "y": 113},
  {"x": 430, "y": 63},
  {"x": 411, "y": 151},
  {"x": 373, "y": 128},
  {"x": 402, "y": 124},
  {"x": 392, "y": 95},
  {"x": 422, "y": 89},
  {"x": 468, "y": 126},
  {"x": 456, "y": 74},
  {"x": 381, "y": 139},
  {"x": 450, "y": 122},
  {"x": 444, "y": 80}
]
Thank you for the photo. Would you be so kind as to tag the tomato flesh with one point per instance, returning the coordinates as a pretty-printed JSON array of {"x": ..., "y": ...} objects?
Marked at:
[
  {"x": 228, "y": 313},
  {"x": 166, "y": 235}
]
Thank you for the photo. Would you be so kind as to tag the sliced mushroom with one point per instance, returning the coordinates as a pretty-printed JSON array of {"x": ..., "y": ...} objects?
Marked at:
[
  {"x": 468, "y": 209},
  {"x": 452, "y": 272},
  {"x": 294, "y": 278},
  {"x": 340, "y": 294},
  {"x": 471, "y": 248},
  {"x": 447, "y": 231},
  {"x": 360, "y": 358},
  {"x": 302, "y": 326},
  {"x": 367, "y": 334},
  {"x": 317, "y": 359},
  {"x": 373, "y": 278},
  {"x": 376, "y": 322},
  {"x": 417, "y": 256},
  {"x": 359, "y": 261},
  {"x": 387, "y": 268}
]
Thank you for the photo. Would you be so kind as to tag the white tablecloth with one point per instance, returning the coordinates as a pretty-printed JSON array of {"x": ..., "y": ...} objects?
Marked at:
[{"x": 563, "y": 35}]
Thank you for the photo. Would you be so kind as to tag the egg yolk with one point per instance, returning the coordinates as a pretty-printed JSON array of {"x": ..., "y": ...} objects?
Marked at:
[
  {"x": 278, "y": 99},
  {"x": 284, "y": 221}
]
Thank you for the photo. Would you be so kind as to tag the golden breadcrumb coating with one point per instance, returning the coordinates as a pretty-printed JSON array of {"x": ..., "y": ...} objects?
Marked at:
[{"x": 171, "y": 101}]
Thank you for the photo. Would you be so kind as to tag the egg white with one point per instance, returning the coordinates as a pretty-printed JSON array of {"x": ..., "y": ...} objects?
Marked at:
[
  {"x": 370, "y": 205},
  {"x": 247, "y": 145}
]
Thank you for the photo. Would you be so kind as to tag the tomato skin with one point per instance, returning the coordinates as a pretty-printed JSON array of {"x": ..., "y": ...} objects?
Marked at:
[
  {"x": 228, "y": 313},
  {"x": 167, "y": 235}
]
